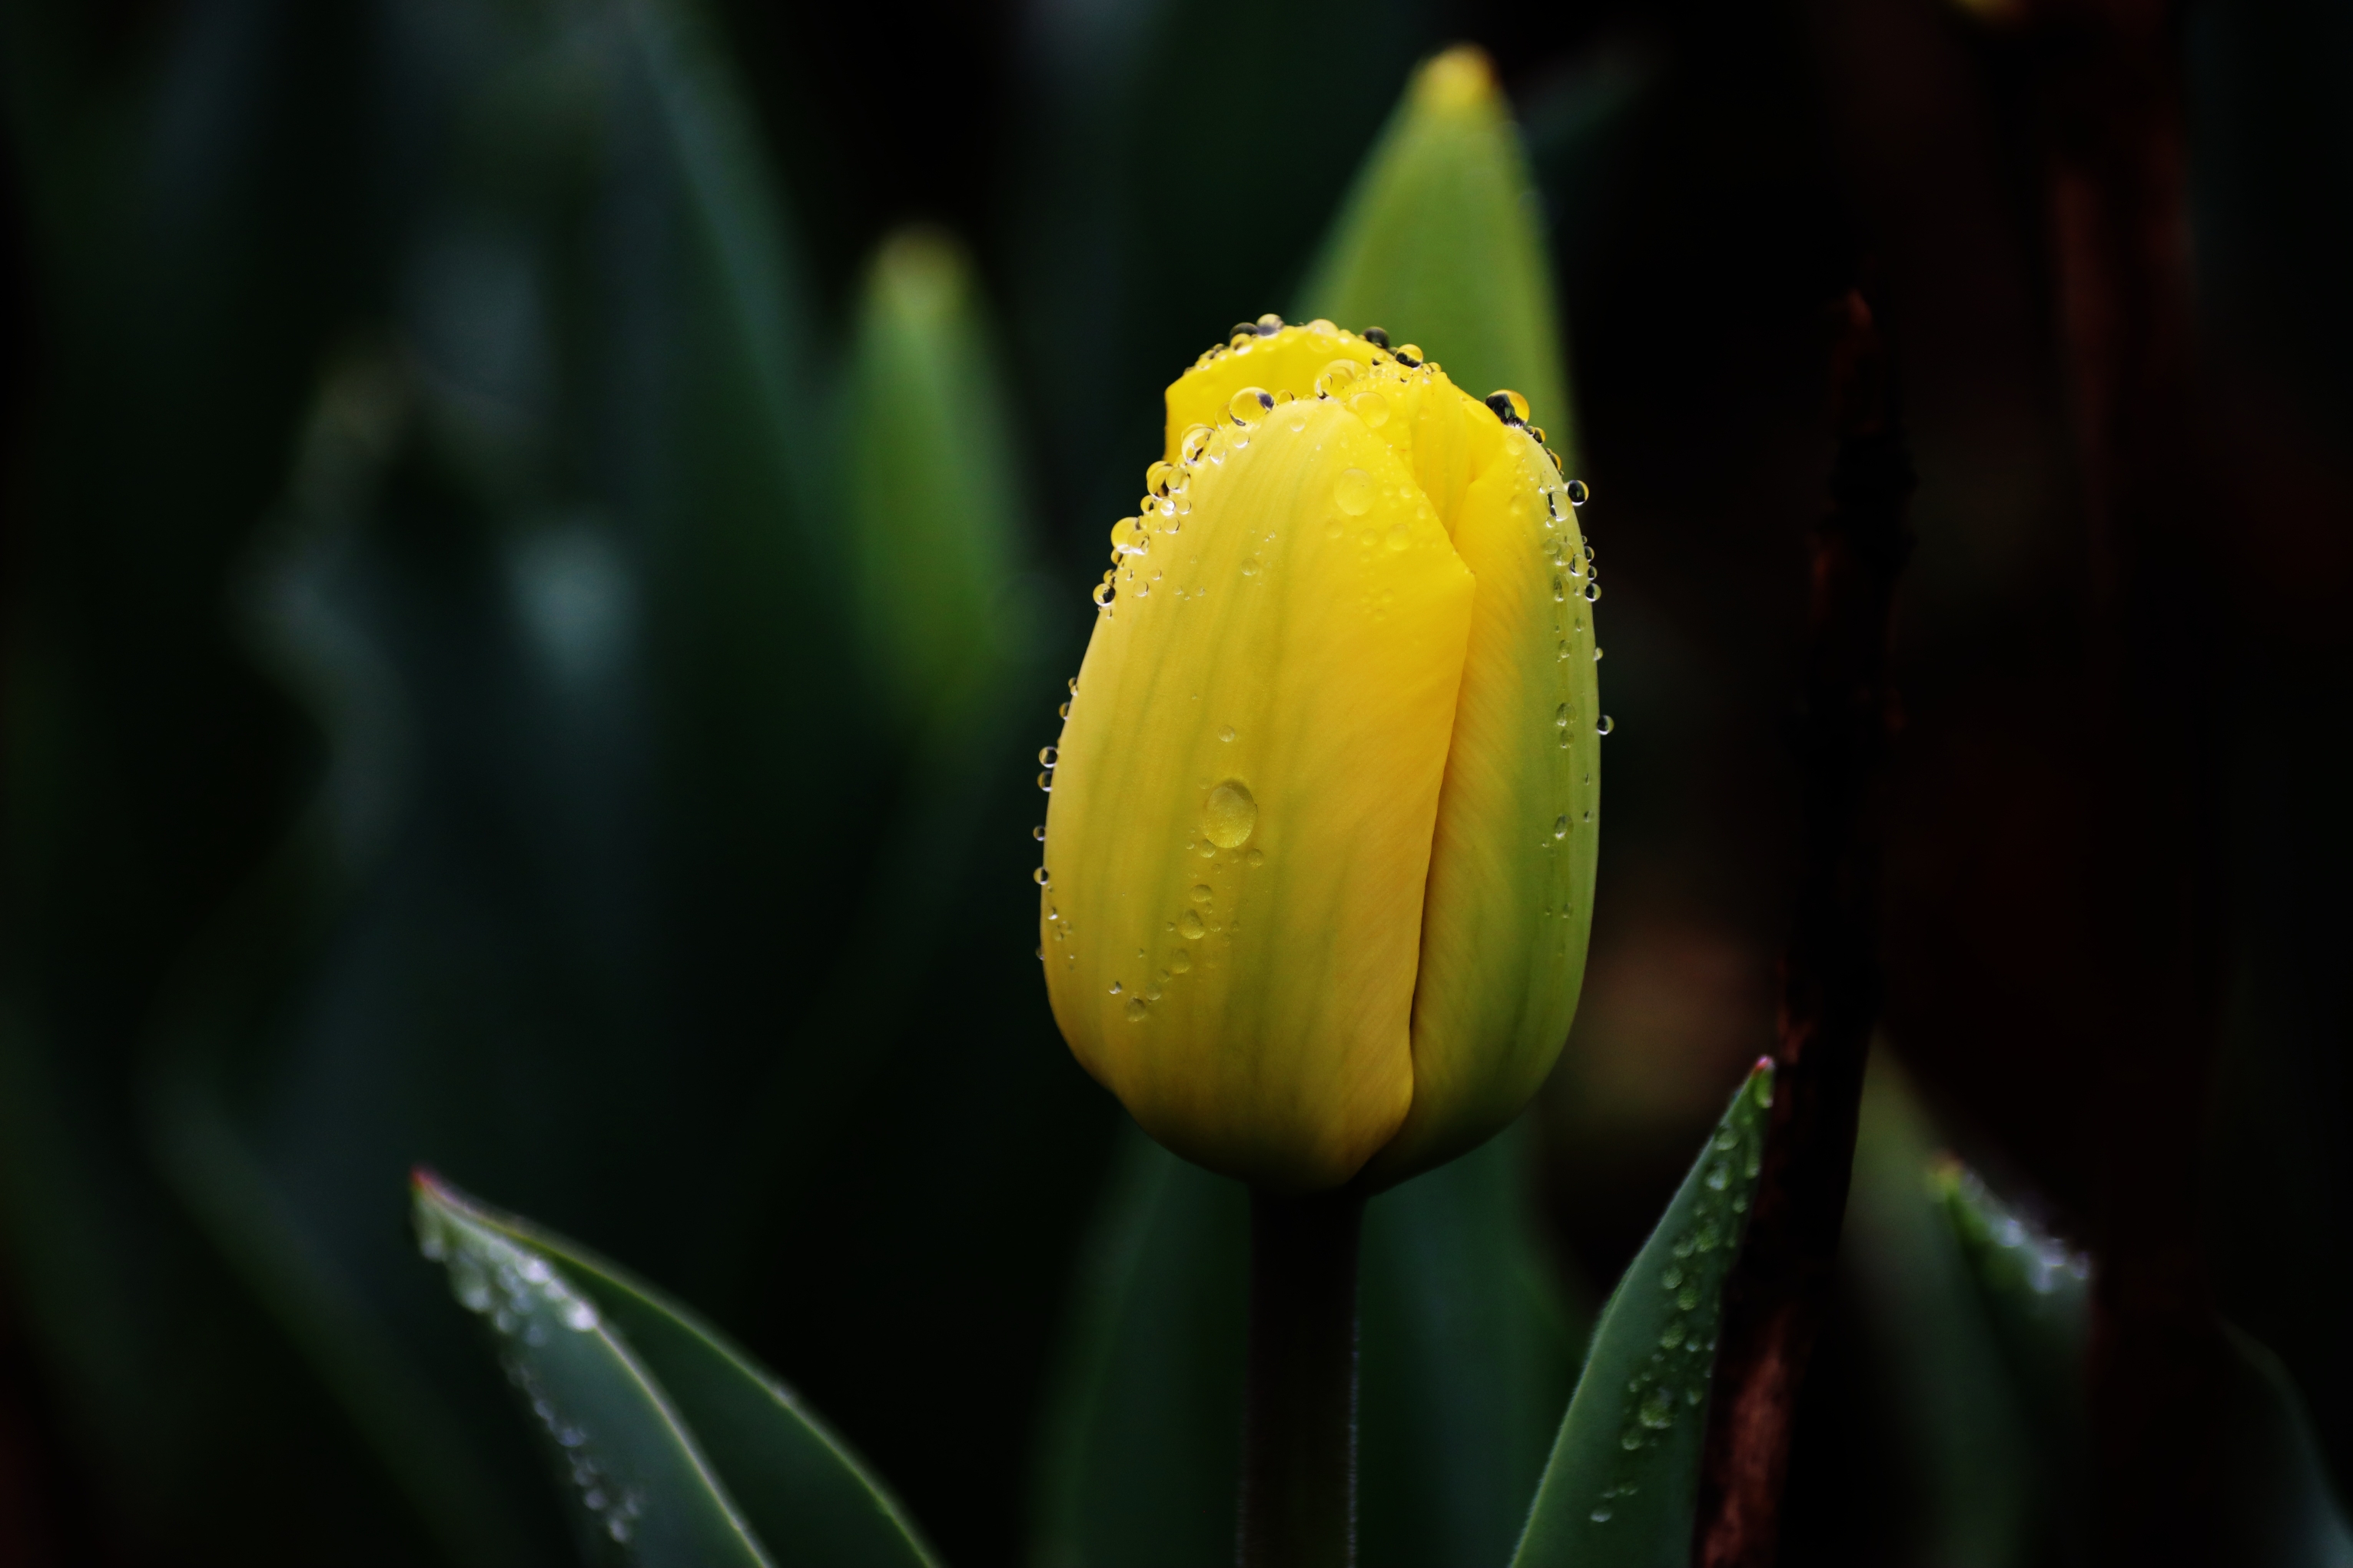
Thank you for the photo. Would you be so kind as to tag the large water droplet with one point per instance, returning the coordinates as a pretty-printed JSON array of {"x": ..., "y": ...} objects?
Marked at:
[
  {"x": 1371, "y": 407},
  {"x": 1578, "y": 493},
  {"x": 1230, "y": 817},
  {"x": 1338, "y": 377},
  {"x": 1226, "y": 732},
  {"x": 1190, "y": 926},
  {"x": 1606, "y": 725},
  {"x": 1181, "y": 963},
  {"x": 1137, "y": 1010},
  {"x": 1248, "y": 407},
  {"x": 1192, "y": 445},
  {"x": 1352, "y": 492}
]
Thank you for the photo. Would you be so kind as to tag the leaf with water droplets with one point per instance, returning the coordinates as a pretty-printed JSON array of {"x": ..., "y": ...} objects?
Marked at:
[
  {"x": 677, "y": 1444},
  {"x": 1624, "y": 1476}
]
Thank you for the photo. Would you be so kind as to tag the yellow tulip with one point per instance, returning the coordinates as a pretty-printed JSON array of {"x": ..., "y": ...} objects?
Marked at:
[{"x": 1320, "y": 836}]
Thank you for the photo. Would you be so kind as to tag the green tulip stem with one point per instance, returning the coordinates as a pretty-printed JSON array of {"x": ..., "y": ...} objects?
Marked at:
[{"x": 1299, "y": 1425}]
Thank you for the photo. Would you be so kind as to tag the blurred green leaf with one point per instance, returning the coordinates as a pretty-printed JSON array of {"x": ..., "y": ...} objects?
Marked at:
[
  {"x": 1441, "y": 242},
  {"x": 1467, "y": 1349},
  {"x": 1983, "y": 1495},
  {"x": 677, "y": 1445},
  {"x": 2277, "y": 1507},
  {"x": 933, "y": 504},
  {"x": 1624, "y": 1474}
]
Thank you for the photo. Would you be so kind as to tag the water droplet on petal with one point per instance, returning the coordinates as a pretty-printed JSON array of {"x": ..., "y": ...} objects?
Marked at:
[
  {"x": 1137, "y": 1010},
  {"x": 1560, "y": 827},
  {"x": 1352, "y": 492},
  {"x": 1226, "y": 732},
  {"x": 1338, "y": 377},
  {"x": 1371, "y": 407},
  {"x": 1607, "y": 724},
  {"x": 1190, "y": 926},
  {"x": 1230, "y": 817},
  {"x": 1248, "y": 407},
  {"x": 1577, "y": 492}
]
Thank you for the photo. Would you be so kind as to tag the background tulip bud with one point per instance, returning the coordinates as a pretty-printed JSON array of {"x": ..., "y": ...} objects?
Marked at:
[{"x": 1319, "y": 856}]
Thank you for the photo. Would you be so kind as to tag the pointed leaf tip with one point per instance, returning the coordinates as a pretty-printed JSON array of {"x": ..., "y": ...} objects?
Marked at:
[
  {"x": 677, "y": 1443},
  {"x": 1623, "y": 1480}
]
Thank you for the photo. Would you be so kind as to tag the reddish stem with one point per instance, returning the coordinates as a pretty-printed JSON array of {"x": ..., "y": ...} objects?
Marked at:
[{"x": 1829, "y": 976}]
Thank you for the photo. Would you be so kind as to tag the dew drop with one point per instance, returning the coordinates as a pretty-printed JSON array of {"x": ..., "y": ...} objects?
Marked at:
[
  {"x": 1577, "y": 492},
  {"x": 1230, "y": 817},
  {"x": 1180, "y": 961},
  {"x": 1400, "y": 536},
  {"x": 1371, "y": 407},
  {"x": 1190, "y": 926},
  {"x": 1049, "y": 755},
  {"x": 1039, "y": 833},
  {"x": 1248, "y": 407},
  {"x": 1352, "y": 492},
  {"x": 1607, "y": 724},
  {"x": 1046, "y": 782},
  {"x": 1137, "y": 1011},
  {"x": 1115, "y": 988},
  {"x": 1254, "y": 857},
  {"x": 1560, "y": 827},
  {"x": 1509, "y": 406},
  {"x": 1194, "y": 444},
  {"x": 1249, "y": 567},
  {"x": 1226, "y": 732},
  {"x": 1039, "y": 877},
  {"x": 1337, "y": 378}
]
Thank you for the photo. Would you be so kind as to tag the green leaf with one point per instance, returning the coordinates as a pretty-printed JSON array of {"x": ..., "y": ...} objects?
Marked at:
[
  {"x": 1963, "y": 1437},
  {"x": 1467, "y": 1349},
  {"x": 2275, "y": 1506},
  {"x": 1624, "y": 1474},
  {"x": 933, "y": 500},
  {"x": 1440, "y": 243},
  {"x": 675, "y": 1442}
]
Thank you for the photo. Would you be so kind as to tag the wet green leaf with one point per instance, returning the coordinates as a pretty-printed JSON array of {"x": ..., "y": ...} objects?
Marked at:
[
  {"x": 1441, "y": 243},
  {"x": 675, "y": 1443},
  {"x": 1624, "y": 1474}
]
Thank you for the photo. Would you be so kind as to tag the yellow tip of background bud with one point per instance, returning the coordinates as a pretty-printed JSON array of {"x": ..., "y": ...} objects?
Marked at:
[{"x": 1462, "y": 77}]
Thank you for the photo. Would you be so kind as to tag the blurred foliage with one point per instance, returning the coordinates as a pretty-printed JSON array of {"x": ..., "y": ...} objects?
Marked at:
[{"x": 488, "y": 683}]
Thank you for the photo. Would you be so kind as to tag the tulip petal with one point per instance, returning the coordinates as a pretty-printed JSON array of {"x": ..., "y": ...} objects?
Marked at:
[
  {"x": 1509, "y": 904},
  {"x": 1511, "y": 879},
  {"x": 1238, "y": 835}
]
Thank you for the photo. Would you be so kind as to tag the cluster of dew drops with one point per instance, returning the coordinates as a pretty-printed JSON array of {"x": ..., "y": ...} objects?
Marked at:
[
  {"x": 1671, "y": 1383},
  {"x": 525, "y": 1299},
  {"x": 1167, "y": 502}
]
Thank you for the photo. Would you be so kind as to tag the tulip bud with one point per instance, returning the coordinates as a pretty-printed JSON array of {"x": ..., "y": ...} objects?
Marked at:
[{"x": 1320, "y": 839}]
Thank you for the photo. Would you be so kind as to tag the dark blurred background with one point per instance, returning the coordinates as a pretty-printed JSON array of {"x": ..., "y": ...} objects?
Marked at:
[{"x": 426, "y": 736}]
